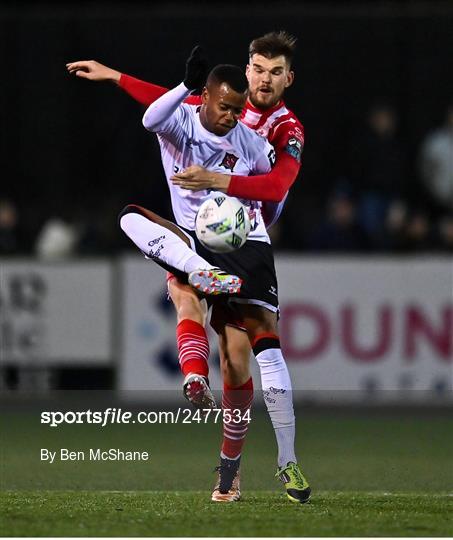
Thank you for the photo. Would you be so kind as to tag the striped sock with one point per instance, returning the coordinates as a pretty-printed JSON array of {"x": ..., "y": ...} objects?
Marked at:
[
  {"x": 193, "y": 347},
  {"x": 234, "y": 432}
]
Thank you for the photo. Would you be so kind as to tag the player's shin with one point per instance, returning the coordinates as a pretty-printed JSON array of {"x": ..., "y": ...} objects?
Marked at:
[
  {"x": 193, "y": 348},
  {"x": 277, "y": 391},
  {"x": 236, "y": 403}
]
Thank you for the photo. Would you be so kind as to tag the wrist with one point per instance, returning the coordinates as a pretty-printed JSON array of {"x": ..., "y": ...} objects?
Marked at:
[
  {"x": 220, "y": 182},
  {"x": 115, "y": 76}
]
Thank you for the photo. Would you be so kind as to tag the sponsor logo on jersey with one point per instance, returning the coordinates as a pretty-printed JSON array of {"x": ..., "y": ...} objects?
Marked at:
[{"x": 229, "y": 161}]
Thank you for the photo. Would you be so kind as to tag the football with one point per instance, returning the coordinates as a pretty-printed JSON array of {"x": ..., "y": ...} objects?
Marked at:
[{"x": 222, "y": 224}]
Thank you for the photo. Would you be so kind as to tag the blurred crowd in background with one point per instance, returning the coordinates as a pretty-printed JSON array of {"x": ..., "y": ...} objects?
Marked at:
[
  {"x": 384, "y": 200},
  {"x": 373, "y": 87}
]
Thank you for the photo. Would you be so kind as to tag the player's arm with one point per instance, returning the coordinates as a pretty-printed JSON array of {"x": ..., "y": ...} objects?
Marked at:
[
  {"x": 162, "y": 114},
  {"x": 143, "y": 92},
  {"x": 272, "y": 186}
]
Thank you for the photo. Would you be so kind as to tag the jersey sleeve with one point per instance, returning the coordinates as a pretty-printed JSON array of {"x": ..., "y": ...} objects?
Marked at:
[
  {"x": 272, "y": 186},
  {"x": 166, "y": 114},
  {"x": 287, "y": 138},
  {"x": 147, "y": 93},
  {"x": 143, "y": 92}
]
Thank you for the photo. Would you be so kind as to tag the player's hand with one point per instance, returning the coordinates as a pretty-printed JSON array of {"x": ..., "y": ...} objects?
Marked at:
[
  {"x": 196, "y": 69},
  {"x": 93, "y": 71},
  {"x": 197, "y": 178}
]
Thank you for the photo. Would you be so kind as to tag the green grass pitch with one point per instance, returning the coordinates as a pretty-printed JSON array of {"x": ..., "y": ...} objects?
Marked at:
[{"x": 373, "y": 474}]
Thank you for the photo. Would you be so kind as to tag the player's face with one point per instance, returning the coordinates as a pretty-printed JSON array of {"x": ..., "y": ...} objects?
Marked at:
[
  {"x": 221, "y": 109},
  {"x": 268, "y": 78}
]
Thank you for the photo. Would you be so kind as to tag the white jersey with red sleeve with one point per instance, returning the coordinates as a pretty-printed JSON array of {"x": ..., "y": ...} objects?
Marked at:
[{"x": 184, "y": 141}]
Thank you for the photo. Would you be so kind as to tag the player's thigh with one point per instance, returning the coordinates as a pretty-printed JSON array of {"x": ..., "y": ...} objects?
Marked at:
[
  {"x": 234, "y": 351},
  {"x": 258, "y": 320},
  {"x": 187, "y": 303}
]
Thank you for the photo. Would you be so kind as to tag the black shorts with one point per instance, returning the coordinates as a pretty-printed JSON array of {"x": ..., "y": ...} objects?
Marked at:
[{"x": 254, "y": 264}]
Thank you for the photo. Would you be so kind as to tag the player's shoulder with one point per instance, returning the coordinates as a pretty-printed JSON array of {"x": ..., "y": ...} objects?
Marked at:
[
  {"x": 286, "y": 125},
  {"x": 190, "y": 108},
  {"x": 189, "y": 112},
  {"x": 286, "y": 120},
  {"x": 249, "y": 136}
]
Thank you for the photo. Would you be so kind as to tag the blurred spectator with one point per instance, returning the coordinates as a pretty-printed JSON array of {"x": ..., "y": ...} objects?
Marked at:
[
  {"x": 339, "y": 232},
  {"x": 10, "y": 235},
  {"x": 445, "y": 234},
  {"x": 378, "y": 167},
  {"x": 436, "y": 163},
  {"x": 392, "y": 236},
  {"x": 56, "y": 240},
  {"x": 418, "y": 234}
]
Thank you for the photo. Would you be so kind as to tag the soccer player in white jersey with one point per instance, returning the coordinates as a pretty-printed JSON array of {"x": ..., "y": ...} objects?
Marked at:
[{"x": 269, "y": 73}]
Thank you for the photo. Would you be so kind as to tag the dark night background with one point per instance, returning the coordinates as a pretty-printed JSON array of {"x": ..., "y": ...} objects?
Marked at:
[{"x": 76, "y": 149}]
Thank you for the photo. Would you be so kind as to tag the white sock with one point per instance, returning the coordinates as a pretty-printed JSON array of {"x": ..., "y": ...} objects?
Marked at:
[
  {"x": 278, "y": 396},
  {"x": 157, "y": 242}
]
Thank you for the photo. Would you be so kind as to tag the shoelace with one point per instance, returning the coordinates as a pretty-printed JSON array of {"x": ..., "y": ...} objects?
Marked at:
[{"x": 299, "y": 479}]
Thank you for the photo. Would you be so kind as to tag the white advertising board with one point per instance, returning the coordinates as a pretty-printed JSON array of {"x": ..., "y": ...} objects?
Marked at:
[
  {"x": 368, "y": 325},
  {"x": 348, "y": 327},
  {"x": 57, "y": 313},
  {"x": 149, "y": 357}
]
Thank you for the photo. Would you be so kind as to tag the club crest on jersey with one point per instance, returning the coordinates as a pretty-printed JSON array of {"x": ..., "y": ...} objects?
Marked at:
[{"x": 229, "y": 161}]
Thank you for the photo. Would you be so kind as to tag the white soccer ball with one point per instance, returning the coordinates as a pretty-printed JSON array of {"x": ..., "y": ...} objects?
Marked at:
[{"x": 222, "y": 224}]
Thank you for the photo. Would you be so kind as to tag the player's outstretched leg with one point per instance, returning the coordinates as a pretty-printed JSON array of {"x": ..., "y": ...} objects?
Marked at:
[
  {"x": 236, "y": 403},
  {"x": 162, "y": 241},
  {"x": 277, "y": 392},
  {"x": 214, "y": 281}
]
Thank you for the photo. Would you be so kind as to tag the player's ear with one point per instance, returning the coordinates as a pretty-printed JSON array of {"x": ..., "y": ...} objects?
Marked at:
[
  {"x": 204, "y": 95},
  {"x": 289, "y": 79}
]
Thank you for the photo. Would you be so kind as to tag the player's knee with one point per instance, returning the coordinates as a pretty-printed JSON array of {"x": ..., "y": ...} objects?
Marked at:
[
  {"x": 127, "y": 210},
  {"x": 262, "y": 341}
]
